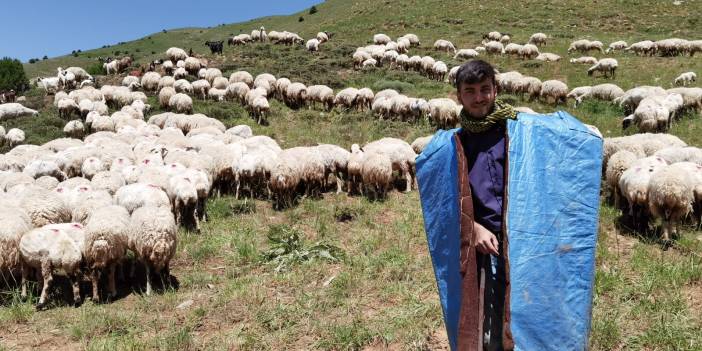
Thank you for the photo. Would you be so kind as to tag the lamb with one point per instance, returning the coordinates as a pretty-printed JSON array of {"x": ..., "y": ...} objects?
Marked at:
[
  {"x": 106, "y": 240},
  {"x": 14, "y": 110},
  {"x": 74, "y": 129},
  {"x": 312, "y": 45},
  {"x": 444, "y": 112},
  {"x": 50, "y": 85},
  {"x": 152, "y": 237},
  {"x": 466, "y": 54},
  {"x": 215, "y": 94},
  {"x": 360, "y": 56},
  {"x": 53, "y": 249},
  {"x": 369, "y": 63},
  {"x": 685, "y": 78},
  {"x": 554, "y": 91},
  {"x": 134, "y": 196},
  {"x": 131, "y": 82},
  {"x": 14, "y": 137},
  {"x": 14, "y": 223},
  {"x": 670, "y": 197},
  {"x": 606, "y": 66},
  {"x": 444, "y": 45},
  {"x": 376, "y": 172},
  {"x": 617, "y": 45},
  {"x": 181, "y": 103},
  {"x": 584, "y": 59},
  {"x": 538, "y": 39}
]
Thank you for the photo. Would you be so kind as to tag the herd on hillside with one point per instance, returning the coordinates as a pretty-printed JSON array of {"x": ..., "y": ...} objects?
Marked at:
[{"x": 124, "y": 179}]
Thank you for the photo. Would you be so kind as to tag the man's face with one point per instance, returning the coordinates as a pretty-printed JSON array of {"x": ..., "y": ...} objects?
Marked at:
[{"x": 477, "y": 99}]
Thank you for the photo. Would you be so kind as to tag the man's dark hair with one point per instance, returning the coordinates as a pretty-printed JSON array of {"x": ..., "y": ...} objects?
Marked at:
[{"x": 475, "y": 71}]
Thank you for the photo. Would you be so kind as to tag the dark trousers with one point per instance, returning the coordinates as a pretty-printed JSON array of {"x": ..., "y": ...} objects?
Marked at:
[{"x": 494, "y": 301}]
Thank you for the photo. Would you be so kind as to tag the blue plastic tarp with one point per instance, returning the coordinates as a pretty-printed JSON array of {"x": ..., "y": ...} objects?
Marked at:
[{"x": 551, "y": 221}]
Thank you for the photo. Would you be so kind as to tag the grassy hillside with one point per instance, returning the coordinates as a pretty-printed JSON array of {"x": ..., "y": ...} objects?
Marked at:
[{"x": 382, "y": 294}]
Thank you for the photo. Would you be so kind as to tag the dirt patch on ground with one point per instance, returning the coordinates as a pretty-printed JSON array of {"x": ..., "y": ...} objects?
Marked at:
[{"x": 22, "y": 337}]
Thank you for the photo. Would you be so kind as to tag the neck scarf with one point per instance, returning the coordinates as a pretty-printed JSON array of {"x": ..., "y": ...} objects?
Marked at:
[{"x": 500, "y": 114}]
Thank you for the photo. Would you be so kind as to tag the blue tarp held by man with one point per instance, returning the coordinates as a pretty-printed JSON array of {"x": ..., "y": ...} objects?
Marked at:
[{"x": 510, "y": 204}]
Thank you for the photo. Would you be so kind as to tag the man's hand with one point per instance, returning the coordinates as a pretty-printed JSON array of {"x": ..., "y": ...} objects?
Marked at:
[{"x": 485, "y": 242}]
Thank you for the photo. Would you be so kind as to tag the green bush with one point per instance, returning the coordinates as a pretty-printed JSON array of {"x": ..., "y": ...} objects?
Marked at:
[
  {"x": 392, "y": 84},
  {"x": 12, "y": 75},
  {"x": 313, "y": 10},
  {"x": 300, "y": 19},
  {"x": 96, "y": 69}
]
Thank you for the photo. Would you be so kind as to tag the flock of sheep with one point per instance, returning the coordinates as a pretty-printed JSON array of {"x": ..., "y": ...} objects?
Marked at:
[{"x": 125, "y": 180}]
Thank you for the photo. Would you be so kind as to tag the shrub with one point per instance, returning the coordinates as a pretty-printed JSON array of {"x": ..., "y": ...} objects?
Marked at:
[
  {"x": 12, "y": 75},
  {"x": 392, "y": 84},
  {"x": 96, "y": 69},
  {"x": 300, "y": 19},
  {"x": 313, "y": 10}
]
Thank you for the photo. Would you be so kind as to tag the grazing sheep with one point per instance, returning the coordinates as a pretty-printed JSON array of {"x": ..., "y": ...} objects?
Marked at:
[
  {"x": 670, "y": 197},
  {"x": 554, "y": 91},
  {"x": 53, "y": 249},
  {"x": 376, "y": 173},
  {"x": 444, "y": 113},
  {"x": 242, "y": 76},
  {"x": 68, "y": 107},
  {"x": 439, "y": 71},
  {"x": 150, "y": 80},
  {"x": 14, "y": 223},
  {"x": 381, "y": 39},
  {"x": 640, "y": 48},
  {"x": 346, "y": 98},
  {"x": 260, "y": 108},
  {"x": 181, "y": 103},
  {"x": 74, "y": 129},
  {"x": 528, "y": 51},
  {"x": 633, "y": 185},
  {"x": 685, "y": 78},
  {"x": 606, "y": 66},
  {"x": 632, "y": 97},
  {"x": 401, "y": 155},
  {"x": 538, "y": 39},
  {"x": 312, "y": 45},
  {"x": 617, "y": 45},
  {"x": 106, "y": 240},
  {"x": 176, "y": 54},
  {"x": 548, "y": 57},
  {"x": 14, "y": 137},
  {"x": 494, "y": 48},
  {"x": 584, "y": 60},
  {"x": 619, "y": 162},
  {"x": 466, "y": 54},
  {"x": 364, "y": 98},
  {"x": 444, "y": 45},
  {"x": 152, "y": 237}
]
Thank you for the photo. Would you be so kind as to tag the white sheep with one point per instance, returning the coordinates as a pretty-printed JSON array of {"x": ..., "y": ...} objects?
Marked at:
[
  {"x": 444, "y": 112},
  {"x": 606, "y": 66},
  {"x": 401, "y": 155},
  {"x": 14, "y": 137},
  {"x": 617, "y": 45},
  {"x": 176, "y": 54},
  {"x": 242, "y": 76},
  {"x": 444, "y": 45},
  {"x": 633, "y": 185},
  {"x": 138, "y": 195},
  {"x": 584, "y": 60},
  {"x": 466, "y": 54},
  {"x": 554, "y": 91},
  {"x": 645, "y": 47},
  {"x": 152, "y": 237},
  {"x": 548, "y": 57},
  {"x": 670, "y": 197},
  {"x": 420, "y": 143},
  {"x": 14, "y": 110},
  {"x": 14, "y": 223},
  {"x": 150, "y": 80},
  {"x": 376, "y": 173},
  {"x": 381, "y": 39},
  {"x": 181, "y": 103},
  {"x": 53, "y": 249},
  {"x": 685, "y": 78},
  {"x": 106, "y": 240},
  {"x": 528, "y": 51},
  {"x": 538, "y": 39},
  {"x": 74, "y": 129},
  {"x": 312, "y": 45}
]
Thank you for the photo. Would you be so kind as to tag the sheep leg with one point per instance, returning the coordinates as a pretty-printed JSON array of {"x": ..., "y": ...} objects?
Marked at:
[
  {"x": 408, "y": 180},
  {"x": 25, "y": 277},
  {"x": 47, "y": 278},
  {"x": 197, "y": 221},
  {"x": 75, "y": 283},
  {"x": 177, "y": 209},
  {"x": 148, "y": 279},
  {"x": 111, "y": 281},
  {"x": 338, "y": 183},
  {"x": 95, "y": 279}
]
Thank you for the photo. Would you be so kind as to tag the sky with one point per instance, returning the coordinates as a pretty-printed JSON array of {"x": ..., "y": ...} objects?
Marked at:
[{"x": 34, "y": 28}]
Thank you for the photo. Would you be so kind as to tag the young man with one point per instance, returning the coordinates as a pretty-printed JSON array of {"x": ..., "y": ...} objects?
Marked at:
[
  {"x": 483, "y": 119},
  {"x": 504, "y": 211}
]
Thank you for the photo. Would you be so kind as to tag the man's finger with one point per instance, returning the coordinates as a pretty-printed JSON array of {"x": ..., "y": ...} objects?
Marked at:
[{"x": 495, "y": 243}]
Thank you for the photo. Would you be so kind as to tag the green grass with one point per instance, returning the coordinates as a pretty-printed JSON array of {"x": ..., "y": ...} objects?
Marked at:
[{"x": 382, "y": 294}]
